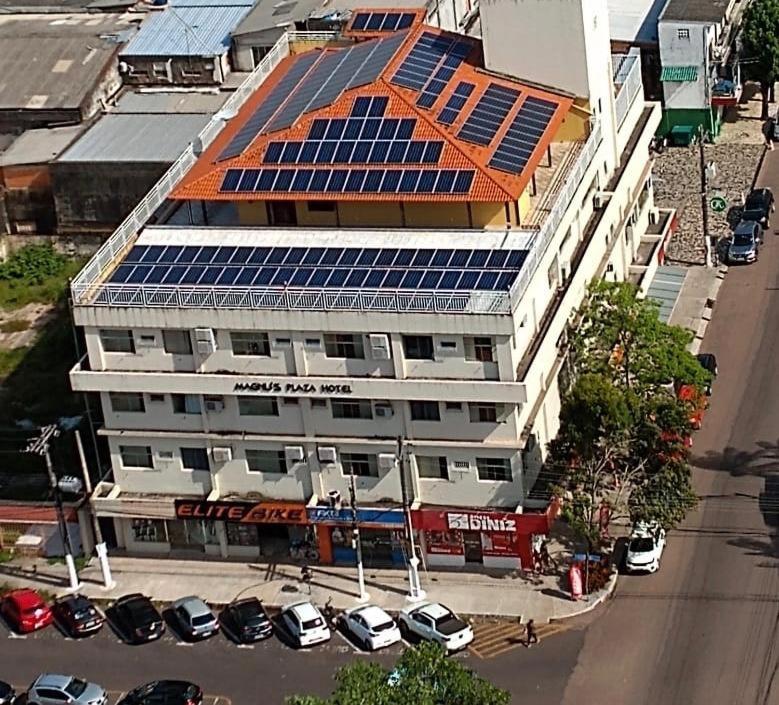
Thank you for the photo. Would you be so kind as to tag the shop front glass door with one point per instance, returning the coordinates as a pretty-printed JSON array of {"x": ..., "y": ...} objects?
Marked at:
[{"x": 472, "y": 542}]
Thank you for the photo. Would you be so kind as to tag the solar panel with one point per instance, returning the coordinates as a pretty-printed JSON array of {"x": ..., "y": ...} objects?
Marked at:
[
  {"x": 488, "y": 115},
  {"x": 381, "y": 21},
  {"x": 436, "y": 85},
  {"x": 360, "y": 20},
  {"x": 522, "y": 137},
  {"x": 454, "y": 105},
  {"x": 421, "y": 62},
  {"x": 255, "y": 124}
]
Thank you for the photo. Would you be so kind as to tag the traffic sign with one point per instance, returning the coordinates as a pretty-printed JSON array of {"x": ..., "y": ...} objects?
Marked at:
[{"x": 718, "y": 204}]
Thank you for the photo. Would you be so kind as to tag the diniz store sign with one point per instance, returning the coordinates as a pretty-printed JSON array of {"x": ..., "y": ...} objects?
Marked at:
[
  {"x": 462, "y": 521},
  {"x": 290, "y": 388},
  {"x": 242, "y": 512}
]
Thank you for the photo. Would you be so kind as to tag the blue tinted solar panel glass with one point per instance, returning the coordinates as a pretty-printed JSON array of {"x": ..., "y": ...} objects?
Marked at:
[
  {"x": 360, "y": 20},
  {"x": 462, "y": 184},
  {"x": 523, "y": 135},
  {"x": 337, "y": 180},
  {"x": 301, "y": 276},
  {"x": 156, "y": 275},
  {"x": 246, "y": 277},
  {"x": 406, "y": 129},
  {"x": 426, "y": 100},
  {"x": 308, "y": 153},
  {"x": 355, "y": 180},
  {"x": 319, "y": 277},
  {"x": 415, "y": 151},
  {"x": 356, "y": 277},
  {"x": 153, "y": 253},
  {"x": 379, "y": 152},
  {"x": 284, "y": 180},
  {"x": 421, "y": 61},
  {"x": 449, "y": 279},
  {"x": 447, "y": 116},
  {"x": 361, "y": 103},
  {"x": 427, "y": 181},
  {"x": 189, "y": 253},
  {"x": 373, "y": 181},
  {"x": 371, "y": 128},
  {"x": 319, "y": 181},
  {"x": 390, "y": 22},
  {"x": 343, "y": 153},
  {"x": 361, "y": 152},
  {"x": 374, "y": 278},
  {"x": 406, "y": 20},
  {"x": 326, "y": 152},
  {"x": 459, "y": 258},
  {"x": 412, "y": 279},
  {"x": 313, "y": 255},
  {"x": 192, "y": 275},
  {"x": 478, "y": 258},
  {"x": 353, "y": 128},
  {"x": 277, "y": 255},
  {"x": 432, "y": 152},
  {"x": 467, "y": 280},
  {"x": 302, "y": 180},
  {"x": 248, "y": 180},
  {"x": 223, "y": 255},
  {"x": 515, "y": 258},
  {"x": 265, "y": 182},
  {"x": 444, "y": 74},
  {"x": 283, "y": 276},
  {"x": 386, "y": 257},
  {"x": 171, "y": 253},
  {"x": 404, "y": 258},
  {"x": 291, "y": 152},
  {"x": 393, "y": 278},
  {"x": 497, "y": 258},
  {"x": 295, "y": 255},
  {"x": 241, "y": 255},
  {"x": 260, "y": 255},
  {"x": 445, "y": 181},
  {"x": 397, "y": 152},
  {"x": 121, "y": 273},
  {"x": 375, "y": 21},
  {"x": 318, "y": 129},
  {"x": 349, "y": 257},
  {"x": 210, "y": 275},
  {"x": 436, "y": 85},
  {"x": 388, "y": 128},
  {"x": 205, "y": 255},
  {"x": 505, "y": 280},
  {"x": 422, "y": 258},
  {"x": 230, "y": 180},
  {"x": 137, "y": 253},
  {"x": 273, "y": 153},
  {"x": 461, "y": 48},
  {"x": 367, "y": 257},
  {"x": 338, "y": 277},
  {"x": 335, "y": 129},
  {"x": 464, "y": 89},
  {"x": 265, "y": 275},
  {"x": 174, "y": 275},
  {"x": 488, "y": 114},
  {"x": 430, "y": 279},
  {"x": 441, "y": 258},
  {"x": 487, "y": 280},
  {"x": 391, "y": 180},
  {"x": 408, "y": 183},
  {"x": 228, "y": 276},
  {"x": 378, "y": 106},
  {"x": 332, "y": 255}
]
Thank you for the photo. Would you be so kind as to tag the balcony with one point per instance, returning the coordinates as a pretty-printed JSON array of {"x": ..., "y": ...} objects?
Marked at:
[
  {"x": 725, "y": 93},
  {"x": 627, "y": 83}
]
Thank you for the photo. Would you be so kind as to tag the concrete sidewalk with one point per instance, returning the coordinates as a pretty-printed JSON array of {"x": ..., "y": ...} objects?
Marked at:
[
  {"x": 499, "y": 593},
  {"x": 694, "y": 306}
]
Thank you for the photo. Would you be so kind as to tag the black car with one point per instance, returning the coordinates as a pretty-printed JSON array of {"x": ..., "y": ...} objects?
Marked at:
[
  {"x": 164, "y": 693},
  {"x": 77, "y": 615},
  {"x": 246, "y": 620},
  {"x": 7, "y": 694},
  {"x": 759, "y": 206},
  {"x": 138, "y": 618}
]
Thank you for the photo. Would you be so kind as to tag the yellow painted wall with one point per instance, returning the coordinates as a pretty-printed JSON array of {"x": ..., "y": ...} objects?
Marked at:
[
  {"x": 379, "y": 214},
  {"x": 488, "y": 215},
  {"x": 252, "y": 213},
  {"x": 524, "y": 204},
  {"x": 323, "y": 219},
  {"x": 436, "y": 215},
  {"x": 576, "y": 123},
  {"x": 303, "y": 47}
]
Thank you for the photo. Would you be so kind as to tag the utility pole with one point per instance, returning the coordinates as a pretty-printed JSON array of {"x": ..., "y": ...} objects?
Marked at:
[
  {"x": 415, "y": 591},
  {"x": 41, "y": 446},
  {"x": 356, "y": 541},
  {"x": 100, "y": 548},
  {"x": 704, "y": 197}
]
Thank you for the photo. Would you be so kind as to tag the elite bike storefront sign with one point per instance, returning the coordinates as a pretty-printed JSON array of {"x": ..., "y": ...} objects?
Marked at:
[{"x": 242, "y": 512}]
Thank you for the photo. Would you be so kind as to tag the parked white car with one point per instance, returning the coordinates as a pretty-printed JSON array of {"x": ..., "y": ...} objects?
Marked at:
[
  {"x": 51, "y": 689},
  {"x": 645, "y": 548},
  {"x": 371, "y": 626},
  {"x": 435, "y": 622},
  {"x": 305, "y": 623}
]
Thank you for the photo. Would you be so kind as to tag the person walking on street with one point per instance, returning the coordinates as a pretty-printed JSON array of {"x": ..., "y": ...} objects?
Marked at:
[{"x": 531, "y": 635}]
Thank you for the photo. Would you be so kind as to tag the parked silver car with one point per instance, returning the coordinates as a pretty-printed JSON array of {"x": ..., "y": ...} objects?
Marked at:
[
  {"x": 745, "y": 244},
  {"x": 194, "y": 617},
  {"x": 52, "y": 689}
]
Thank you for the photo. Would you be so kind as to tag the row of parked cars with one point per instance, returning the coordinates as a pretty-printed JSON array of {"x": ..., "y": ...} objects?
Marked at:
[
  {"x": 744, "y": 245},
  {"x": 138, "y": 620}
]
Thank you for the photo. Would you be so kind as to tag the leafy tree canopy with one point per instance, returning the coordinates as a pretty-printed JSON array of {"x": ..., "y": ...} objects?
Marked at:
[{"x": 760, "y": 45}]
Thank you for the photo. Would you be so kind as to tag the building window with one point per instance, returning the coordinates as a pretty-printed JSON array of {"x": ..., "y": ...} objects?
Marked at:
[
  {"x": 321, "y": 206},
  {"x": 432, "y": 467},
  {"x": 272, "y": 461},
  {"x": 177, "y": 342},
  {"x": 495, "y": 469},
  {"x": 258, "y": 406},
  {"x": 683, "y": 33},
  {"x": 480, "y": 349},
  {"x": 194, "y": 458},
  {"x": 454, "y": 406},
  {"x": 425, "y": 410},
  {"x": 117, "y": 340},
  {"x": 319, "y": 403},
  {"x": 136, "y": 457},
  {"x": 250, "y": 343},
  {"x": 483, "y": 412},
  {"x": 418, "y": 347},
  {"x": 127, "y": 401},
  {"x": 149, "y": 531},
  {"x": 344, "y": 345},
  {"x": 359, "y": 464},
  {"x": 258, "y": 53},
  {"x": 185, "y": 403},
  {"x": 351, "y": 408}
]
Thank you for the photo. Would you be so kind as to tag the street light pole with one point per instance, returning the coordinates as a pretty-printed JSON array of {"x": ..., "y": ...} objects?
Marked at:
[
  {"x": 41, "y": 446},
  {"x": 415, "y": 591},
  {"x": 704, "y": 197},
  {"x": 356, "y": 541}
]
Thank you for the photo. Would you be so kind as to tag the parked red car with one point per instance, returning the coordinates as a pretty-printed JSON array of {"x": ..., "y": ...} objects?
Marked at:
[{"x": 25, "y": 611}]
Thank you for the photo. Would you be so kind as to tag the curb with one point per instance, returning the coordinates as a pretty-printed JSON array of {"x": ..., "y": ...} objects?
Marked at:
[{"x": 607, "y": 592}]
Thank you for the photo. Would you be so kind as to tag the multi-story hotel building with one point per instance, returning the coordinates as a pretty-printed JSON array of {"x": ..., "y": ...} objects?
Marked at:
[{"x": 366, "y": 267}]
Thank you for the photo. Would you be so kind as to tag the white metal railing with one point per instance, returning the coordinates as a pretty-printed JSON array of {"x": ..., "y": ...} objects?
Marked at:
[
  {"x": 295, "y": 36},
  {"x": 233, "y": 297},
  {"x": 545, "y": 234},
  {"x": 628, "y": 77}
]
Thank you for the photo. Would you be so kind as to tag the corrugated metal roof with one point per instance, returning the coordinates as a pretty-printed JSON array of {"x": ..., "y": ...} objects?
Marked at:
[
  {"x": 186, "y": 31},
  {"x": 679, "y": 74},
  {"x": 39, "y": 146},
  {"x": 170, "y": 102},
  {"x": 136, "y": 138}
]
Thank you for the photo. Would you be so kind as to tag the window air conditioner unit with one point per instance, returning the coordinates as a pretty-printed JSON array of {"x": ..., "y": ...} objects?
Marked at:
[
  {"x": 380, "y": 346},
  {"x": 326, "y": 454},
  {"x": 383, "y": 409},
  {"x": 387, "y": 461},
  {"x": 599, "y": 200},
  {"x": 294, "y": 453},
  {"x": 215, "y": 404},
  {"x": 164, "y": 457},
  {"x": 222, "y": 454},
  {"x": 205, "y": 340}
]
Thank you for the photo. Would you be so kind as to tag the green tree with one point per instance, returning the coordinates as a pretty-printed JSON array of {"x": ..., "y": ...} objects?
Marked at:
[
  {"x": 760, "y": 46},
  {"x": 423, "y": 676}
]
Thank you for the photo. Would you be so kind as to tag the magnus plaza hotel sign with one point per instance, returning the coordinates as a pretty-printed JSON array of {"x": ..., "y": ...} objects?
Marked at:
[{"x": 293, "y": 388}]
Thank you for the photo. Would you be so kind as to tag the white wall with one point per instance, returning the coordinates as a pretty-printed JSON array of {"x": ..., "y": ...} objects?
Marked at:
[{"x": 676, "y": 51}]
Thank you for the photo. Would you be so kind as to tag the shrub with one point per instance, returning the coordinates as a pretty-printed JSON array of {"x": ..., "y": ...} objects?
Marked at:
[{"x": 33, "y": 264}]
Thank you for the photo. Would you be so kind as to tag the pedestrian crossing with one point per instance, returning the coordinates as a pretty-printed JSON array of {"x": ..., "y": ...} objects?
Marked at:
[{"x": 495, "y": 638}]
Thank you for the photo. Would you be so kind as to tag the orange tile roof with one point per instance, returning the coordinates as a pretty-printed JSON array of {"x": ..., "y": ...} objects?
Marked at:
[{"x": 489, "y": 184}]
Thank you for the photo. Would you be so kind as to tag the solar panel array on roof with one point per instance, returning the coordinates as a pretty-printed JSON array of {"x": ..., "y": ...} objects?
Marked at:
[
  {"x": 321, "y": 267},
  {"x": 365, "y": 181},
  {"x": 451, "y": 111},
  {"x": 381, "y": 21},
  {"x": 430, "y": 53},
  {"x": 265, "y": 110},
  {"x": 521, "y": 138},
  {"x": 488, "y": 115}
]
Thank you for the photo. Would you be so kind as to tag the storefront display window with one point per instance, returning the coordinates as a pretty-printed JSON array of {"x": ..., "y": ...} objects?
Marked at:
[
  {"x": 242, "y": 534},
  {"x": 149, "y": 531},
  {"x": 445, "y": 542}
]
